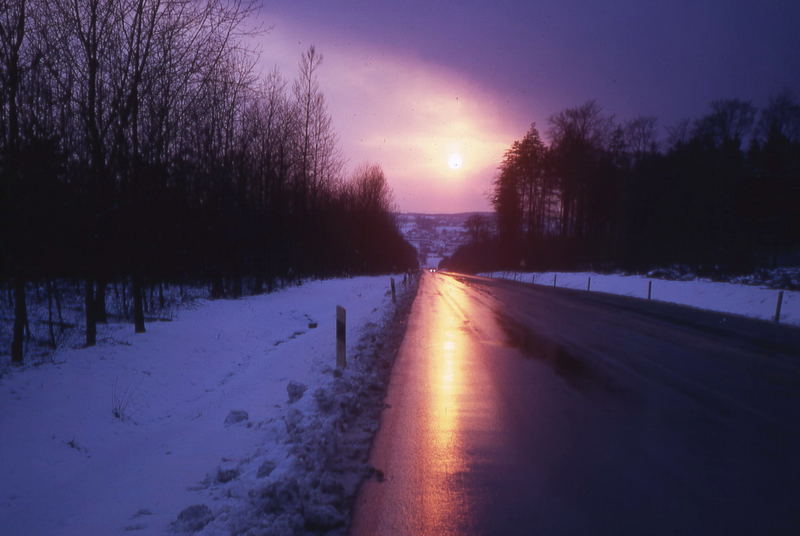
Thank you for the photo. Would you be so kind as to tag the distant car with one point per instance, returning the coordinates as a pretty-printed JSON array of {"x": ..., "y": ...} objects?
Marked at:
[{"x": 432, "y": 270}]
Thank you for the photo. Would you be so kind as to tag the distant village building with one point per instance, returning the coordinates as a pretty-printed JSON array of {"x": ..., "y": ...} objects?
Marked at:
[{"x": 435, "y": 236}]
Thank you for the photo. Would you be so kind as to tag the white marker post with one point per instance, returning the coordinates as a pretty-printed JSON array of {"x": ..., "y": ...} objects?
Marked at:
[{"x": 341, "y": 337}]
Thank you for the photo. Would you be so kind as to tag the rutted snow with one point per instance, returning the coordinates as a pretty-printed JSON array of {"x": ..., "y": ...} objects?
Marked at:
[
  {"x": 746, "y": 300},
  {"x": 199, "y": 402}
]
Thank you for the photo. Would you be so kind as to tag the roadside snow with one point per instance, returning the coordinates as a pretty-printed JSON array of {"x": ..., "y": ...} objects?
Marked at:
[
  {"x": 220, "y": 416},
  {"x": 740, "y": 299}
]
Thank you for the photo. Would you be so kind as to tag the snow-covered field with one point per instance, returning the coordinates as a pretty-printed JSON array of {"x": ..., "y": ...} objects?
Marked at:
[
  {"x": 230, "y": 415},
  {"x": 740, "y": 299}
]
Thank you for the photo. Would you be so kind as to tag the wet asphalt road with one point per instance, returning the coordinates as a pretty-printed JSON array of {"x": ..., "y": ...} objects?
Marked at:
[{"x": 516, "y": 409}]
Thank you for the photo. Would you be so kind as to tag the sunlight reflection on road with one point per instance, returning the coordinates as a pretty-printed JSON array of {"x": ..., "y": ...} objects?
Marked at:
[
  {"x": 446, "y": 382},
  {"x": 442, "y": 418}
]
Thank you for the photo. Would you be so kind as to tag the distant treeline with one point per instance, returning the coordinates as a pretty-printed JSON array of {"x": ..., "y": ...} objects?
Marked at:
[
  {"x": 138, "y": 145},
  {"x": 721, "y": 193}
]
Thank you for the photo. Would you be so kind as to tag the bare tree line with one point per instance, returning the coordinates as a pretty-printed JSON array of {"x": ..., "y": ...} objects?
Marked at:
[{"x": 139, "y": 145}]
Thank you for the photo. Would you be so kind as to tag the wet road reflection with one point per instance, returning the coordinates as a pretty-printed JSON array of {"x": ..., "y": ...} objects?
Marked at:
[
  {"x": 441, "y": 431},
  {"x": 436, "y": 396},
  {"x": 521, "y": 411}
]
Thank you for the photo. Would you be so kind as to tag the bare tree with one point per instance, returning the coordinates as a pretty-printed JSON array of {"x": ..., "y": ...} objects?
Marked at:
[
  {"x": 579, "y": 138},
  {"x": 781, "y": 118},
  {"x": 641, "y": 136},
  {"x": 168, "y": 157},
  {"x": 729, "y": 122},
  {"x": 318, "y": 159},
  {"x": 586, "y": 123},
  {"x": 478, "y": 227},
  {"x": 371, "y": 190},
  {"x": 13, "y": 26},
  {"x": 679, "y": 133}
]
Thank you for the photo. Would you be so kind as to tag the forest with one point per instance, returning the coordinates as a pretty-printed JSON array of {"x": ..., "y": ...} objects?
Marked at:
[
  {"x": 720, "y": 194},
  {"x": 141, "y": 146}
]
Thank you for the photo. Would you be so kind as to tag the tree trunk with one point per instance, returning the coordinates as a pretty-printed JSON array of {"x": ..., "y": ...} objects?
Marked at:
[
  {"x": 237, "y": 286},
  {"x": 138, "y": 305},
  {"x": 57, "y": 296},
  {"x": 217, "y": 287},
  {"x": 91, "y": 319},
  {"x": 20, "y": 320},
  {"x": 100, "y": 301},
  {"x": 28, "y": 333},
  {"x": 50, "y": 314},
  {"x": 124, "y": 302}
]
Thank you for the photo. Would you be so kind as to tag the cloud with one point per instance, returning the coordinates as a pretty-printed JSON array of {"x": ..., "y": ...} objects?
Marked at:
[{"x": 406, "y": 114}]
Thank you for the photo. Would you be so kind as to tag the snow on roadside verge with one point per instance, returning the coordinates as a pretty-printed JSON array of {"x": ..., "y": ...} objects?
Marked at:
[
  {"x": 309, "y": 485},
  {"x": 739, "y": 299},
  {"x": 206, "y": 394}
]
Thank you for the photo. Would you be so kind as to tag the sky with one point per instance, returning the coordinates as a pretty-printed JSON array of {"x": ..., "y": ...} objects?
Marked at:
[{"x": 436, "y": 91}]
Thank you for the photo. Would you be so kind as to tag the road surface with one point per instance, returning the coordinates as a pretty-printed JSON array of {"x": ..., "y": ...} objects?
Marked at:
[{"x": 516, "y": 409}]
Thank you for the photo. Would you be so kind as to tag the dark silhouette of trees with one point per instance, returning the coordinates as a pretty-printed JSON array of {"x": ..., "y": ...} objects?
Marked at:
[
  {"x": 139, "y": 147},
  {"x": 727, "y": 124},
  {"x": 368, "y": 198},
  {"x": 773, "y": 191},
  {"x": 720, "y": 195},
  {"x": 15, "y": 61},
  {"x": 523, "y": 192},
  {"x": 479, "y": 228}
]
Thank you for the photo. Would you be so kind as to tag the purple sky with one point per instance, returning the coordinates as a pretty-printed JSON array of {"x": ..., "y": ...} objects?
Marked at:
[{"x": 411, "y": 84}]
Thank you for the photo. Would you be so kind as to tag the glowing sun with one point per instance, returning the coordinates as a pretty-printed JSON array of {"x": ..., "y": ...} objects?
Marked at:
[{"x": 455, "y": 161}]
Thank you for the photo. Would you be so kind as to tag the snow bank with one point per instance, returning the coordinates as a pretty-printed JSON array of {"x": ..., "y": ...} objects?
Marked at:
[
  {"x": 227, "y": 420},
  {"x": 740, "y": 299}
]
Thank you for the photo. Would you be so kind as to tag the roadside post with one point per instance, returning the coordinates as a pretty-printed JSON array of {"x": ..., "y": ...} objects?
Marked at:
[
  {"x": 778, "y": 307},
  {"x": 589, "y": 284},
  {"x": 554, "y": 280},
  {"x": 341, "y": 337},
  {"x": 394, "y": 295},
  {"x": 649, "y": 290}
]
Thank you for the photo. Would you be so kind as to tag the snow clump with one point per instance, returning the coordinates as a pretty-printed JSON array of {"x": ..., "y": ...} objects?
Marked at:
[
  {"x": 236, "y": 416},
  {"x": 193, "y": 518},
  {"x": 295, "y": 390}
]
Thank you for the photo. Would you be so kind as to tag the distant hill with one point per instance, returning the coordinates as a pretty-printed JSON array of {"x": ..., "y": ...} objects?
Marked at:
[{"x": 436, "y": 236}]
